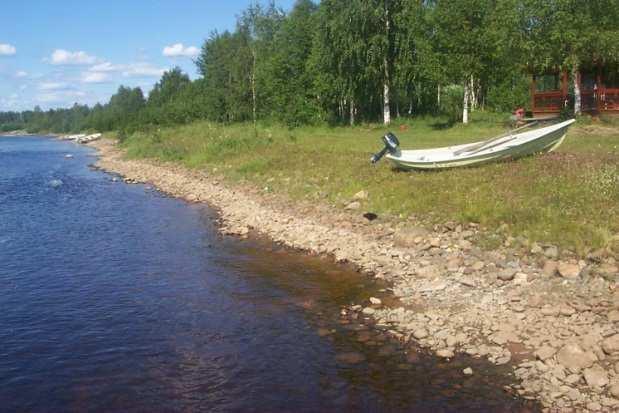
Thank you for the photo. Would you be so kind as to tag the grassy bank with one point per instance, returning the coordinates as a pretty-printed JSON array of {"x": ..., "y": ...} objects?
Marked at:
[{"x": 569, "y": 198}]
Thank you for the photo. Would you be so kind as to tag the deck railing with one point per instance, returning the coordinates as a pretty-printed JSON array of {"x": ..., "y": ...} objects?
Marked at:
[
  {"x": 551, "y": 101},
  {"x": 609, "y": 100}
]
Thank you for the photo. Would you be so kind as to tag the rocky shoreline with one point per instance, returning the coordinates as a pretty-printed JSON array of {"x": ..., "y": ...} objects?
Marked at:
[{"x": 551, "y": 316}]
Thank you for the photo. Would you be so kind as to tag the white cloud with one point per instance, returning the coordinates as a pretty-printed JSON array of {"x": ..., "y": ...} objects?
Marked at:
[
  {"x": 53, "y": 86},
  {"x": 65, "y": 57},
  {"x": 21, "y": 73},
  {"x": 106, "y": 67},
  {"x": 179, "y": 50},
  {"x": 94, "y": 77},
  {"x": 142, "y": 70},
  {"x": 7, "y": 49},
  {"x": 66, "y": 97},
  {"x": 139, "y": 69}
]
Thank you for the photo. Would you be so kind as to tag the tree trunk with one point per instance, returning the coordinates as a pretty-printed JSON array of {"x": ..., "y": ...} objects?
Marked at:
[
  {"x": 386, "y": 106},
  {"x": 465, "y": 106},
  {"x": 577, "y": 96},
  {"x": 253, "y": 89},
  {"x": 473, "y": 94},
  {"x": 352, "y": 112},
  {"x": 438, "y": 96}
]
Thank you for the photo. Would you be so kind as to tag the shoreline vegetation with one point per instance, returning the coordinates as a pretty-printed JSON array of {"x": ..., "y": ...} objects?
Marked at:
[
  {"x": 546, "y": 311},
  {"x": 569, "y": 198}
]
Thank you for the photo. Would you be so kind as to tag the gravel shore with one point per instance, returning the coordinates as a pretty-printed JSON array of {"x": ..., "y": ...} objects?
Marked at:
[{"x": 553, "y": 317}]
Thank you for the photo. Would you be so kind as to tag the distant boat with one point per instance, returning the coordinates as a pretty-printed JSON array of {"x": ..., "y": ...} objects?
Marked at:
[{"x": 505, "y": 147}]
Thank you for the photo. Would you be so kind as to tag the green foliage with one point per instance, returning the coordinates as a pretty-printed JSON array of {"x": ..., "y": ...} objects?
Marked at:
[
  {"x": 331, "y": 62},
  {"x": 451, "y": 102}
]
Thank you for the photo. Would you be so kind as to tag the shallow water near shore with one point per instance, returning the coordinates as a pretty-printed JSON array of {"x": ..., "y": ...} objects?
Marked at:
[{"x": 117, "y": 298}]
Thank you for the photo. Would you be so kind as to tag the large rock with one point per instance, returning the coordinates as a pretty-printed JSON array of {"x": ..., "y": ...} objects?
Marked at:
[
  {"x": 550, "y": 268},
  {"x": 545, "y": 352},
  {"x": 568, "y": 270},
  {"x": 574, "y": 358},
  {"x": 507, "y": 274},
  {"x": 611, "y": 344},
  {"x": 420, "y": 333},
  {"x": 613, "y": 316},
  {"x": 406, "y": 237},
  {"x": 596, "y": 377},
  {"x": 614, "y": 389},
  {"x": 551, "y": 252},
  {"x": 353, "y": 205}
]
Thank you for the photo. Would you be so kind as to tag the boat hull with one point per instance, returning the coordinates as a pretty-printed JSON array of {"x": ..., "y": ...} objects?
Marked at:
[{"x": 543, "y": 144}]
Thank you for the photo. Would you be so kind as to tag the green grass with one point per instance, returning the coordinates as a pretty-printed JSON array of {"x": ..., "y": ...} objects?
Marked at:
[{"x": 569, "y": 198}]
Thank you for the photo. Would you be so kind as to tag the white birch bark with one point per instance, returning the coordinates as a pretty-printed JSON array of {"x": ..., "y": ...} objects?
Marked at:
[
  {"x": 253, "y": 89},
  {"x": 577, "y": 96},
  {"x": 386, "y": 104},
  {"x": 352, "y": 112},
  {"x": 465, "y": 106}
]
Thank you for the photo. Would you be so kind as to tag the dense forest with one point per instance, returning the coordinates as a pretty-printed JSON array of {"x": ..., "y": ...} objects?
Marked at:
[{"x": 349, "y": 61}]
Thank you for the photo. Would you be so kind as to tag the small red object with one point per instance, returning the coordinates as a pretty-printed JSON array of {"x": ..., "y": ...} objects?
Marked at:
[{"x": 519, "y": 113}]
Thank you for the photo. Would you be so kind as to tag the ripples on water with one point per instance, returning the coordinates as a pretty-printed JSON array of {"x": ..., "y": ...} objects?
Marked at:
[{"x": 116, "y": 298}]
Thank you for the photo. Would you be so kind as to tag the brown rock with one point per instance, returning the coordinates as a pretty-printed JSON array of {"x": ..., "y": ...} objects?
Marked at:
[
  {"x": 574, "y": 358},
  {"x": 569, "y": 271},
  {"x": 550, "y": 268},
  {"x": 596, "y": 377},
  {"x": 614, "y": 389},
  {"x": 420, "y": 333},
  {"x": 545, "y": 352},
  {"x": 507, "y": 274},
  {"x": 613, "y": 316},
  {"x": 353, "y": 205},
  {"x": 611, "y": 344},
  {"x": 445, "y": 353}
]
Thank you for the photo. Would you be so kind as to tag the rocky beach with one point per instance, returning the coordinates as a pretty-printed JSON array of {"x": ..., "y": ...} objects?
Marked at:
[{"x": 549, "y": 314}]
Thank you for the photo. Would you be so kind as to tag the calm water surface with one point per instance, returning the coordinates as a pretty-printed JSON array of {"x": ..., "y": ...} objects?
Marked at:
[{"x": 116, "y": 298}]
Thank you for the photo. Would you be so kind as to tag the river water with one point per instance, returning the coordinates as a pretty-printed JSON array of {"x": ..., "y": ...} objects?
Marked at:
[{"x": 114, "y": 297}]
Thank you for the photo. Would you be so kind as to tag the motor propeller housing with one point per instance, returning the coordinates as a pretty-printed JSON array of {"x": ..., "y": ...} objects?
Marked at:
[{"x": 391, "y": 145}]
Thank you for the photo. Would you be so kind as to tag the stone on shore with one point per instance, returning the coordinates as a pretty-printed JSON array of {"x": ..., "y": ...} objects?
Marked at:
[
  {"x": 596, "y": 377},
  {"x": 406, "y": 237},
  {"x": 545, "y": 352},
  {"x": 375, "y": 301},
  {"x": 368, "y": 311},
  {"x": 507, "y": 274},
  {"x": 468, "y": 371},
  {"x": 574, "y": 358},
  {"x": 445, "y": 353},
  {"x": 550, "y": 268},
  {"x": 420, "y": 333},
  {"x": 353, "y": 206},
  {"x": 568, "y": 270},
  {"x": 611, "y": 344}
]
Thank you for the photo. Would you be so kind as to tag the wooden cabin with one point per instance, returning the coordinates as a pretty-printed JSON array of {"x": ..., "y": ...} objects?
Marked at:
[{"x": 599, "y": 90}]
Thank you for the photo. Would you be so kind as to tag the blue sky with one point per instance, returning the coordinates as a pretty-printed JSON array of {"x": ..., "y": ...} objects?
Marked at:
[{"x": 57, "y": 52}]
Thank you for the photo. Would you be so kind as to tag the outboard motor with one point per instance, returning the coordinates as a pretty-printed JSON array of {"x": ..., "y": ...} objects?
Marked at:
[{"x": 391, "y": 145}]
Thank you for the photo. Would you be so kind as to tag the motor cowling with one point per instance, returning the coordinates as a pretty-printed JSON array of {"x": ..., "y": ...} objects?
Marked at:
[{"x": 391, "y": 145}]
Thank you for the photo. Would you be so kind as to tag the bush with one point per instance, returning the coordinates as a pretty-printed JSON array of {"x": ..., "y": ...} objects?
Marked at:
[{"x": 452, "y": 98}]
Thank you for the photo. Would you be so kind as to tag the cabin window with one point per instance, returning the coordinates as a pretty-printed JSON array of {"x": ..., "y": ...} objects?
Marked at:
[{"x": 547, "y": 83}]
